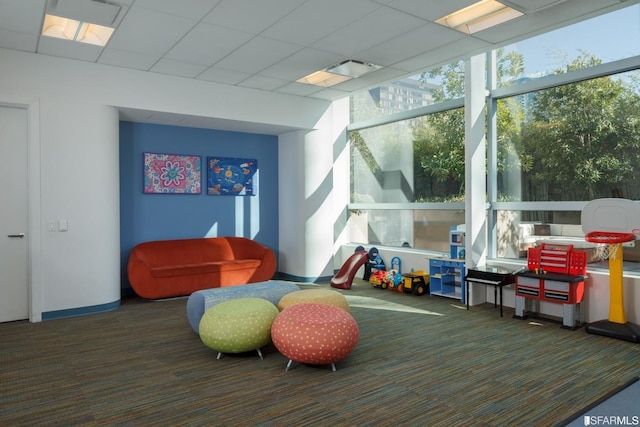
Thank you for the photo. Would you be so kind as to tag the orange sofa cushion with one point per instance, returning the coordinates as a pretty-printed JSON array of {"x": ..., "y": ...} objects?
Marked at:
[{"x": 169, "y": 268}]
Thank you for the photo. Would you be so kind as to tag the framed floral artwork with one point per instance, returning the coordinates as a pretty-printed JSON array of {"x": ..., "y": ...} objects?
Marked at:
[
  {"x": 227, "y": 176},
  {"x": 172, "y": 174}
]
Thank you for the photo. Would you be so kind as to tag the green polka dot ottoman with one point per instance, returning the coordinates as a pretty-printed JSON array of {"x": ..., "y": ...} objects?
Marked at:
[
  {"x": 314, "y": 334},
  {"x": 238, "y": 326}
]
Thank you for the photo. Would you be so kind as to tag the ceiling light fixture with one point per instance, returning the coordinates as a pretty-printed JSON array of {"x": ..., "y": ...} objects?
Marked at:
[
  {"x": 78, "y": 31},
  {"x": 346, "y": 70},
  {"x": 479, "y": 16},
  {"x": 85, "y": 21}
]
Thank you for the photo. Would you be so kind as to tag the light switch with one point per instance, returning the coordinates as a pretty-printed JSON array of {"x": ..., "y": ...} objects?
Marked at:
[
  {"x": 51, "y": 225},
  {"x": 63, "y": 225}
]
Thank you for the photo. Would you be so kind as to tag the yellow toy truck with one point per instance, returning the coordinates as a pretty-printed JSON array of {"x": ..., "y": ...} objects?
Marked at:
[{"x": 416, "y": 283}]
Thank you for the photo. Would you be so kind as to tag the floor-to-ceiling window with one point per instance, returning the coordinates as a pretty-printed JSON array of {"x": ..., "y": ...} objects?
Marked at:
[{"x": 563, "y": 128}]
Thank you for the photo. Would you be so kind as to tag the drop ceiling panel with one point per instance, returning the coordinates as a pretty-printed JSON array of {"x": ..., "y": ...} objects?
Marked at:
[
  {"x": 69, "y": 49},
  {"x": 178, "y": 68},
  {"x": 430, "y": 37},
  {"x": 299, "y": 89},
  {"x": 149, "y": 31},
  {"x": 443, "y": 54},
  {"x": 258, "y": 54},
  {"x": 192, "y": 9},
  {"x": 302, "y": 63},
  {"x": 315, "y": 20},
  {"x": 349, "y": 40},
  {"x": 18, "y": 40},
  {"x": 263, "y": 83},
  {"x": 207, "y": 44},
  {"x": 20, "y": 29},
  {"x": 531, "y": 5},
  {"x": 251, "y": 16},
  {"x": 126, "y": 59},
  {"x": 431, "y": 11},
  {"x": 25, "y": 16},
  {"x": 224, "y": 76}
]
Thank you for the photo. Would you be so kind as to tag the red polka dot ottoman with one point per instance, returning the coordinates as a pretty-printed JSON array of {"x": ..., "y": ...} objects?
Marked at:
[{"x": 314, "y": 334}]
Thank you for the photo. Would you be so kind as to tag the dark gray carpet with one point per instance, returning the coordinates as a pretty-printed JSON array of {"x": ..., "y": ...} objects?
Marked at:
[{"x": 420, "y": 361}]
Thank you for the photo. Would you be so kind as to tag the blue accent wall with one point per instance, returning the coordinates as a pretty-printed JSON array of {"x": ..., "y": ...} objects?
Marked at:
[{"x": 145, "y": 217}]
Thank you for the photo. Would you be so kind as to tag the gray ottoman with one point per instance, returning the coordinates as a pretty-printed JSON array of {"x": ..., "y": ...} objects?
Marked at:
[{"x": 200, "y": 301}]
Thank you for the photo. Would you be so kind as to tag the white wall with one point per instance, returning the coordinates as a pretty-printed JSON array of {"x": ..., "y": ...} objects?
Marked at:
[
  {"x": 78, "y": 161},
  {"x": 310, "y": 203}
]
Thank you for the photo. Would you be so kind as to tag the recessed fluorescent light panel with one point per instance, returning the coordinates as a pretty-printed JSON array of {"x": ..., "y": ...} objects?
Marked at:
[
  {"x": 479, "y": 16},
  {"x": 339, "y": 73},
  {"x": 84, "y": 21},
  {"x": 78, "y": 31}
]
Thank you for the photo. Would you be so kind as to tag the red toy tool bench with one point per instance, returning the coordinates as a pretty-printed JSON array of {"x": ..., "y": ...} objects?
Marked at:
[{"x": 555, "y": 273}]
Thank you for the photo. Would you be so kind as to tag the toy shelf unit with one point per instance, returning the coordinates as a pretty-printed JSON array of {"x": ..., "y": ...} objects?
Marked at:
[
  {"x": 445, "y": 278},
  {"x": 555, "y": 273},
  {"x": 446, "y": 275}
]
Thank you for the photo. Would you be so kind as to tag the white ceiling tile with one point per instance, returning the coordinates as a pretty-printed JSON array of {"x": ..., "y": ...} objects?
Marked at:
[
  {"x": 18, "y": 40},
  {"x": 302, "y": 63},
  {"x": 349, "y": 40},
  {"x": 222, "y": 75},
  {"x": 25, "y": 16},
  {"x": 531, "y": 5},
  {"x": 263, "y": 83},
  {"x": 252, "y": 16},
  {"x": 430, "y": 10},
  {"x": 126, "y": 59},
  {"x": 299, "y": 89},
  {"x": 315, "y": 20},
  {"x": 415, "y": 42},
  {"x": 442, "y": 55},
  {"x": 69, "y": 49},
  {"x": 207, "y": 44},
  {"x": 20, "y": 29},
  {"x": 178, "y": 68},
  {"x": 258, "y": 54},
  {"x": 149, "y": 31},
  {"x": 329, "y": 94},
  {"x": 192, "y": 9}
]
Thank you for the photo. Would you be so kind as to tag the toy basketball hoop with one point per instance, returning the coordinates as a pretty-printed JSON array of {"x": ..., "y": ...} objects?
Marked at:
[
  {"x": 608, "y": 243},
  {"x": 609, "y": 238},
  {"x": 610, "y": 223}
]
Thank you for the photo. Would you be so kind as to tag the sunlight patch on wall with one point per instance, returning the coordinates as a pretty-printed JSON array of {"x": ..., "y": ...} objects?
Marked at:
[
  {"x": 247, "y": 213},
  {"x": 213, "y": 231}
]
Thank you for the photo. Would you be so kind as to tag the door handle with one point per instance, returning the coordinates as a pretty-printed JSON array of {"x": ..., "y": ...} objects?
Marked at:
[{"x": 20, "y": 235}]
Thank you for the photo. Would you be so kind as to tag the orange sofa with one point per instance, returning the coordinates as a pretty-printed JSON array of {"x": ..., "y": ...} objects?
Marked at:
[{"x": 170, "y": 268}]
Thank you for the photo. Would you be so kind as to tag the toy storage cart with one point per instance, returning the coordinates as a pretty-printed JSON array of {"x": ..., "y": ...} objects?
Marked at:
[
  {"x": 446, "y": 274},
  {"x": 555, "y": 273}
]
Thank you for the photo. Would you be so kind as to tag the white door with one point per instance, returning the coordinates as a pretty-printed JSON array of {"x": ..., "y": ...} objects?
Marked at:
[{"x": 14, "y": 236}]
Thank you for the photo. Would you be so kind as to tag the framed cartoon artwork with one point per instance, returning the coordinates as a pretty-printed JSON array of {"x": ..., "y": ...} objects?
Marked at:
[
  {"x": 172, "y": 174},
  {"x": 227, "y": 176}
]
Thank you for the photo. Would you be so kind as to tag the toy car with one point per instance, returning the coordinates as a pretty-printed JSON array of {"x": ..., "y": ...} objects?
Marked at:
[
  {"x": 378, "y": 279},
  {"x": 394, "y": 280},
  {"x": 416, "y": 282}
]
